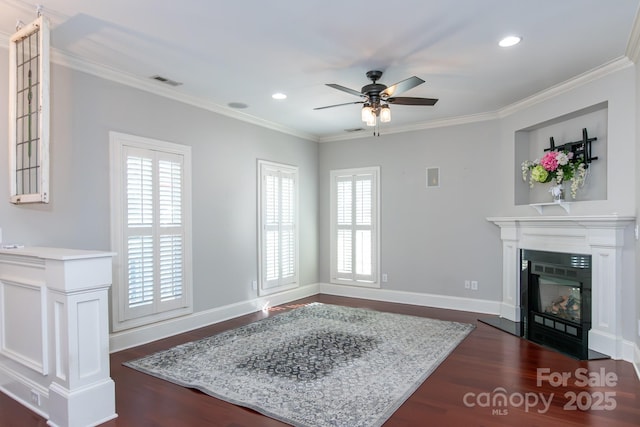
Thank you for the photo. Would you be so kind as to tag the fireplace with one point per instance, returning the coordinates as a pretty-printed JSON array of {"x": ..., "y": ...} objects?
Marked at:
[
  {"x": 555, "y": 300},
  {"x": 600, "y": 236}
]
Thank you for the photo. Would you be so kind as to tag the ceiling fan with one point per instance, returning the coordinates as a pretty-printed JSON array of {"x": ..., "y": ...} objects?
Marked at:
[{"x": 376, "y": 97}]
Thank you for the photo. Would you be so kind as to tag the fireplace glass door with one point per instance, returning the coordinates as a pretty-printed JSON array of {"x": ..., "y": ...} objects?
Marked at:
[
  {"x": 556, "y": 300},
  {"x": 560, "y": 298}
]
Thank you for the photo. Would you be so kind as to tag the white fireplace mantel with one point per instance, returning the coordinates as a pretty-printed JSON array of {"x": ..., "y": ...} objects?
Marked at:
[{"x": 600, "y": 236}]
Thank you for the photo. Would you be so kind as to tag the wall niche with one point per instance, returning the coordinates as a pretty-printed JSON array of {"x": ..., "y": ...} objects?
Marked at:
[{"x": 531, "y": 142}]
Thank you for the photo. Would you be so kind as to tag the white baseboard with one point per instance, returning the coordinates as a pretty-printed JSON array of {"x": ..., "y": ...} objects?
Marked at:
[
  {"x": 20, "y": 388},
  {"x": 510, "y": 312},
  {"x": 414, "y": 298},
  {"x": 636, "y": 360},
  {"x": 614, "y": 347},
  {"x": 137, "y": 336},
  {"x": 142, "y": 335},
  {"x": 629, "y": 350}
]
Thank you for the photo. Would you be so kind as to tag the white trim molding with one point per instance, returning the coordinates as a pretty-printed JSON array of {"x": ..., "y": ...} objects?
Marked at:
[
  {"x": 633, "y": 44},
  {"x": 414, "y": 298},
  {"x": 636, "y": 360},
  {"x": 137, "y": 336},
  {"x": 121, "y": 148},
  {"x": 570, "y": 84}
]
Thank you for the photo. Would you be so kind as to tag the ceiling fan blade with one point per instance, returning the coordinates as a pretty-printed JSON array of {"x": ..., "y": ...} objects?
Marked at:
[
  {"x": 339, "y": 105},
  {"x": 345, "y": 89},
  {"x": 402, "y": 86},
  {"x": 406, "y": 100}
]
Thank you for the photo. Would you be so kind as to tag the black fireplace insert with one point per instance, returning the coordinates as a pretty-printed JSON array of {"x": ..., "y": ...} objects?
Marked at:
[{"x": 556, "y": 300}]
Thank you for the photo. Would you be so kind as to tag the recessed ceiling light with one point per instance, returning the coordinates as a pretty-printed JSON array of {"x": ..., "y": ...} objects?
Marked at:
[
  {"x": 279, "y": 95},
  {"x": 510, "y": 41}
]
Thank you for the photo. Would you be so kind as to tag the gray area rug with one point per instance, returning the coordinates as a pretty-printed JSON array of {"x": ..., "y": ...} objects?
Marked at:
[{"x": 318, "y": 365}]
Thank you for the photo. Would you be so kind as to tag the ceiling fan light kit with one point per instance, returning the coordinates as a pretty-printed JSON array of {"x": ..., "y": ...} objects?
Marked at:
[
  {"x": 367, "y": 112},
  {"x": 385, "y": 113},
  {"x": 377, "y": 97}
]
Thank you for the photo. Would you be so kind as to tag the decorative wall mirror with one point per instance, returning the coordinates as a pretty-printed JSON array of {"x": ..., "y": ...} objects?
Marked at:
[{"x": 29, "y": 113}]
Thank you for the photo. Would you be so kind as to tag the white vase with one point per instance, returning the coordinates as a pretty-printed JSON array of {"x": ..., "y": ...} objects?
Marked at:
[{"x": 557, "y": 193}]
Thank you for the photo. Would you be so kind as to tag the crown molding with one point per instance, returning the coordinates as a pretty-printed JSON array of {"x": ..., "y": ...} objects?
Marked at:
[
  {"x": 575, "y": 82},
  {"x": 633, "y": 55},
  {"x": 439, "y": 123},
  {"x": 447, "y": 121},
  {"x": 633, "y": 45},
  {"x": 146, "y": 85},
  {"x": 552, "y": 92}
]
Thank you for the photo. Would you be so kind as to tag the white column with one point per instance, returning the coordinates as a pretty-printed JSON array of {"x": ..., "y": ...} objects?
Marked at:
[
  {"x": 510, "y": 306},
  {"x": 605, "y": 335},
  {"x": 81, "y": 392}
]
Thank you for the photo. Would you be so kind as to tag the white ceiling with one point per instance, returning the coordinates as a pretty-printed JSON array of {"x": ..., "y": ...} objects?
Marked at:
[{"x": 245, "y": 50}]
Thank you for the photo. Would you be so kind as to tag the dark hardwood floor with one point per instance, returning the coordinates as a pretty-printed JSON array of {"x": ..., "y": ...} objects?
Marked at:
[{"x": 487, "y": 362}]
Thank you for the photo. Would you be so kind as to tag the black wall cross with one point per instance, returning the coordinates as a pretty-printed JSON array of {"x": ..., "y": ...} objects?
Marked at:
[{"x": 580, "y": 149}]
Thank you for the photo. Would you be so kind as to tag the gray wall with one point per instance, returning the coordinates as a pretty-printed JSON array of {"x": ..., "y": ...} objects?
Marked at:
[
  {"x": 225, "y": 152},
  {"x": 432, "y": 239},
  {"x": 637, "y": 243},
  {"x": 616, "y": 89}
]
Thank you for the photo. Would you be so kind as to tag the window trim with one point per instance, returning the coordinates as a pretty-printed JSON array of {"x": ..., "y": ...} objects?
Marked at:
[
  {"x": 117, "y": 143},
  {"x": 264, "y": 166},
  {"x": 333, "y": 276}
]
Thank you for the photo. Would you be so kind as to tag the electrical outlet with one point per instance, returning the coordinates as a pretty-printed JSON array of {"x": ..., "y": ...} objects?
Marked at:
[
  {"x": 35, "y": 397},
  {"x": 384, "y": 277},
  {"x": 474, "y": 285},
  {"x": 254, "y": 285},
  {"x": 467, "y": 284}
]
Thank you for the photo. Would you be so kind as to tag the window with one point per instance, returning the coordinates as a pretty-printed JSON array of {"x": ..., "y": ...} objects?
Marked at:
[
  {"x": 354, "y": 226},
  {"x": 151, "y": 232},
  {"x": 29, "y": 113},
  {"x": 278, "y": 225}
]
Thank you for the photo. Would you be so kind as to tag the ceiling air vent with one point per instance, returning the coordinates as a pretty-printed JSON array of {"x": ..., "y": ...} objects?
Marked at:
[
  {"x": 238, "y": 105},
  {"x": 166, "y": 80},
  {"x": 353, "y": 130}
]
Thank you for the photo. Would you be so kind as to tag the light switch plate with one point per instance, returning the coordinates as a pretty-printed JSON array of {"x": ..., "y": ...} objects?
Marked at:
[{"x": 433, "y": 177}]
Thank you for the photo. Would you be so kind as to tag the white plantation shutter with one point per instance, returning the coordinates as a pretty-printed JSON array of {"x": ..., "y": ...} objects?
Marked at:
[
  {"x": 140, "y": 270},
  {"x": 354, "y": 218},
  {"x": 287, "y": 226},
  {"x": 278, "y": 227},
  {"x": 363, "y": 227},
  {"x": 152, "y": 282},
  {"x": 170, "y": 264},
  {"x": 345, "y": 225},
  {"x": 139, "y": 193},
  {"x": 171, "y": 229}
]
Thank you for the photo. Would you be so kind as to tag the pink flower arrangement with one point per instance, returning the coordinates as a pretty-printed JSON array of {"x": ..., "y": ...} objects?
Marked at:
[
  {"x": 553, "y": 159},
  {"x": 550, "y": 161},
  {"x": 558, "y": 166}
]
